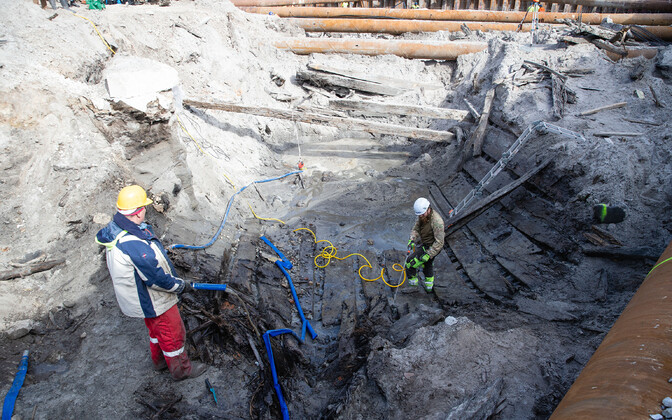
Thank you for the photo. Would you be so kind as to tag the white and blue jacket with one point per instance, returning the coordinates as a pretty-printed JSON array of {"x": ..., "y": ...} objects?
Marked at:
[{"x": 145, "y": 281}]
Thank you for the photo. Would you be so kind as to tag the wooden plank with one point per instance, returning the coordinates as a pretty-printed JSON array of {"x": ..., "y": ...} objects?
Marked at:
[
  {"x": 325, "y": 79},
  {"x": 373, "y": 78},
  {"x": 516, "y": 253},
  {"x": 449, "y": 286},
  {"x": 479, "y": 134},
  {"x": 482, "y": 269},
  {"x": 332, "y": 121},
  {"x": 382, "y": 109}
]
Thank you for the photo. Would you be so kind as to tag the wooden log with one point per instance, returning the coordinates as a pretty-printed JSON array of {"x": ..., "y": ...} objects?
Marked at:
[
  {"x": 429, "y": 50},
  {"x": 651, "y": 19},
  {"x": 322, "y": 79},
  {"x": 479, "y": 134},
  {"x": 617, "y": 134},
  {"x": 603, "y": 108},
  {"x": 403, "y": 84},
  {"x": 381, "y": 109},
  {"x": 337, "y": 122},
  {"x": 30, "y": 269}
]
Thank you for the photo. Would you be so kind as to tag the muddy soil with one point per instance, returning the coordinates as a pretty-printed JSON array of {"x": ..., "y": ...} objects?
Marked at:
[{"x": 524, "y": 293}]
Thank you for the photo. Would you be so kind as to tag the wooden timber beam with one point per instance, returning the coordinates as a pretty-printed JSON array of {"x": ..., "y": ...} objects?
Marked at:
[
  {"x": 331, "y": 121},
  {"x": 652, "y": 19},
  {"x": 377, "y": 108},
  {"x": 428, "y": 50}
]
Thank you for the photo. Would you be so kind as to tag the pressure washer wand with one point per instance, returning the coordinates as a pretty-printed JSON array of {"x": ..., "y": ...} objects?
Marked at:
[{"x": 209, "y": 286}]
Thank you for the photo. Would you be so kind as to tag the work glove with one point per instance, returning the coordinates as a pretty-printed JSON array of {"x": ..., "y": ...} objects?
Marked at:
[
  {"x": 420, "y": 262},
  {"x": 188, "y": 287}
]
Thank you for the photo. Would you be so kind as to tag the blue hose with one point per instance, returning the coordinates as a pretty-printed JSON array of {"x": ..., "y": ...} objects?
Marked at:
[
  {"x": 226, "y": 215},
  {"x": 269, "y": 351},
  {"x": 285, "y": 265},
  {"x": 10, "y": 398},
  {"x": 209, "y": 286}
]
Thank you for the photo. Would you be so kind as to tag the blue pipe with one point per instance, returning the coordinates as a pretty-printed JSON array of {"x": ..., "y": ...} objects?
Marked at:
[
  {"x": 269, "y": 351},
  {"x": 10, "y": 398},
  {"x": 285, "y": 265},
  {"x": 226, "y": 215},
  {"x": 209, "y": 286}
]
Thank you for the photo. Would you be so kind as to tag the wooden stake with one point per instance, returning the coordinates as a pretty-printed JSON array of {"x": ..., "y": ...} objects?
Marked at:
[
  {"x": 603, "y": 108},
  {"x": 479, "y": 134}
]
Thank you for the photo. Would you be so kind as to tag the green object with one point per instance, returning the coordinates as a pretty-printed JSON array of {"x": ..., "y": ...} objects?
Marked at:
[
  {"x": 429, "y": 284},
  {"x": 417, "y": 263},
  {"x": 95, "y": 4},
  {"x": 413, "y": 281},
  {"x": 425, "y": 258},
  {"x": 411, "y": 244},
  {"x": 211, "y": 388}
]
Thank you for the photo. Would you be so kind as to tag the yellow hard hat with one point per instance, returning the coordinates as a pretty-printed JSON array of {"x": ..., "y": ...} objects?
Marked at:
[{"x": 132, "y": 197}]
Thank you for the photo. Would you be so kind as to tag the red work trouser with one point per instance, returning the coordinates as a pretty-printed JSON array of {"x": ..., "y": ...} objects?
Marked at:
[{"x": 167, "y": 336}]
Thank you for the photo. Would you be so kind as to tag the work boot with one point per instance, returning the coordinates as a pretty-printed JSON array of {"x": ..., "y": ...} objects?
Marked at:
[
  {"x": 413, "y": 281},
  {"x": 429, "y": 284},
  {"x": 160, "y": 366},
  {"x": 197, "y": 369}
]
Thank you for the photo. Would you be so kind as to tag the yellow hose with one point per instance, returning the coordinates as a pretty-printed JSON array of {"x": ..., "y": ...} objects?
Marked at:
[
  {"x": 97, "y": 31},
  {"x": 329, "y": 252}
]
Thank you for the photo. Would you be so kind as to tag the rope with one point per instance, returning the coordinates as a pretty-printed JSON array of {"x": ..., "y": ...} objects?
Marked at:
[
  {"x": 330, "y": 251},
  {"x": 226, "y": 215},
  {"x": 97, "y": 31}
]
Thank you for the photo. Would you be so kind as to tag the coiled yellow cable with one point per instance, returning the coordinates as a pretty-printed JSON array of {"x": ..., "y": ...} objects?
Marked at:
[{"x": 330, "y": 251}]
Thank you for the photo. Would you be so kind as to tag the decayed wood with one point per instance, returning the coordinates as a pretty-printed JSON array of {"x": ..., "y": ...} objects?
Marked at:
[
  {"x": 548, "y": 69},
  {"x": 608, "y": 46},
  {"x": 453, "y": 225},
  {"x": 373, "y": 78},
  {"x": 655, "y": 98},
  {"x": 620, "y": 253},
  {"x": 617, "y": 134},
  {"x": 377, "y": 108},
  {"x": 472, "y": 110},
  {"x": 479, "y": 134},
  {"x": 322, "y": 79},
  {"x": 603, "y": 108},
  {"x": 337, "y": 122},
  {"x": 30, "y": 269}
]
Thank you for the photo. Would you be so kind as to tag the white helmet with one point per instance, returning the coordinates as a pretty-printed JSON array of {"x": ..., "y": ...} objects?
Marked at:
[{"x": 421, "y": 205}]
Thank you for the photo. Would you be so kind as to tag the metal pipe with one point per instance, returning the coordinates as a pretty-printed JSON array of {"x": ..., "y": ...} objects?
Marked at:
[
  {"x": 397, "y": 27},
  {"x": 460, "y": 15},
  {"x": 627, "y": 377},
  {"x": 430, "y": 50},
  {"x": 652, "y": 5}
]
